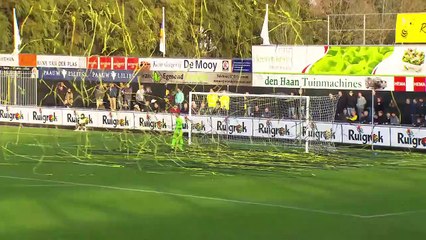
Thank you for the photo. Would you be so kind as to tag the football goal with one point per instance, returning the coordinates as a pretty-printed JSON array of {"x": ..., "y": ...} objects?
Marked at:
[{"x": 274, "y": 121}]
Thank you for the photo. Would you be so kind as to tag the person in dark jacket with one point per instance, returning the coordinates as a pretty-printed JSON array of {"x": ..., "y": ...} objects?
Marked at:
[
  {"x": 341, "y": 105},
  {"x": 351, "y": 103},
  {"x": 406, "y": 112}
]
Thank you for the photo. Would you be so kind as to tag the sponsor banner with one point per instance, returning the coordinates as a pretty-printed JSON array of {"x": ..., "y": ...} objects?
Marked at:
[
  {"x": 232, "y": 79},
  {"x": 9, "y": 60},
  {"x": 45, "y": 116},
  {"x": 242, "y": 65},
  {"x": 70, "y": 117},
  {"x": 93, "y": 62},
  {"x": 52, "y": 61},
  {"x": 361, "y": 134},
  {"x": 13, "y": 114},
  {"x": 105, "y": 63},
  {"x": 132, "y": 63},
  {"x": 320, "y": 82},
  {"x": 117, "y": 120},
  {"x": 275, "y": 129},
  {"x": 185, "y": 65},
  {"x": 410, "y": 28},
  {"x": 232, "y": 126},
  {"x": 27, "y": 60},
  {"x": 404, "y": 60},
  {"x": 85, "y": 74},
  {"x": 285, "y": 59},
  {"x": 119, "y": 63},
  {"x": 408, "y": 137},
  {"x": 153, "y": 122},
  {"x": 419, "y": 84},
  {"x": 199, "y": 124},
  {"x": 400, "y": 84},
  {"x": 324, "y": 132}
]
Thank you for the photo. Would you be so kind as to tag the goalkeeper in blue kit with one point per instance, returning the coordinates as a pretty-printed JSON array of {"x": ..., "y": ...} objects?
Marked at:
[{"x": 177, "y": 141}]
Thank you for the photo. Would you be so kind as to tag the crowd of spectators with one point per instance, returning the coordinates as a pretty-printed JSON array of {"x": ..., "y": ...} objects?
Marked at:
[
  {"x": 354, "y": 108},
  {"x": 351, "y": 107}
]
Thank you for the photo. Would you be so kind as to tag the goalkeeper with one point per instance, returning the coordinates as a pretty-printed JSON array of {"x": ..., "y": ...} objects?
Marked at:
[{"x": 177, "y": 141}]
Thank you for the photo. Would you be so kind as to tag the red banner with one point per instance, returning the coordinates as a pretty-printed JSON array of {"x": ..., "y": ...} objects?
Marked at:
[
  {"x": 400, "y": 84},
  {"x": 105, "y": 63},
  {"x": 132, "y": 63},
  {"x": 119, "y": 63},
  {"x": 93, "y": 62},
  {"x": 419, "y": 84},
  {"x": 27, "y": 60}
]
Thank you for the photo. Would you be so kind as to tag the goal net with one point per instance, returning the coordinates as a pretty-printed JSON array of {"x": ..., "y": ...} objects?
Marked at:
[{"x": 270, "y": 121}]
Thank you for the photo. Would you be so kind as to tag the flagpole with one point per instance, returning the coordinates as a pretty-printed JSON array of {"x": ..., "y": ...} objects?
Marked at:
[{"x": 164, "y": 32}]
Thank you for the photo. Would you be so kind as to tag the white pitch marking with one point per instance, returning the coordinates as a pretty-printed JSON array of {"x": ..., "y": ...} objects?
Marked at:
[{"x": 220, "y": 199}]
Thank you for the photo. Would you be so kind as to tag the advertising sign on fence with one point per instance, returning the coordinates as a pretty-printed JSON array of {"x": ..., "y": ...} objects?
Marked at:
[
  {"x": 232, "y": 79},
  {"x": 9, "y": 60},
  {"x": 153, "y": 122},
  {"x": 274, "y": 129},
  {"x": 186, "y": 65},
  {"x": 71, "y": 74},
  {"x": 408, "y": 137},
  {"x": 52, "y": 61},
  {"x": 410, "y": 28},
  {"x": 363, "y": 134},
  {"x": 286, "y": 66}
]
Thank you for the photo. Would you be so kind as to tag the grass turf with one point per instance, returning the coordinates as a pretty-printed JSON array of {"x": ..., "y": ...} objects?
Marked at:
[{"x": 60, "y": 184}]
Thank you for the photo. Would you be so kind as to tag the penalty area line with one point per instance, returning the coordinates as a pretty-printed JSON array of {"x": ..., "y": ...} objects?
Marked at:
[{"x": 217, "y": 199}]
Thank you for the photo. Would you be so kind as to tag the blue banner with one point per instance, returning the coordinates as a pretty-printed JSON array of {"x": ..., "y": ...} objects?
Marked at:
[
  {"x": 71, "y": 74},
  {"x": 242, "y": 65}
]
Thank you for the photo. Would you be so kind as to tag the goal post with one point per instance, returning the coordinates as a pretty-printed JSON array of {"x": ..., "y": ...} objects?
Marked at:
[{"x": 269, "y": 120}]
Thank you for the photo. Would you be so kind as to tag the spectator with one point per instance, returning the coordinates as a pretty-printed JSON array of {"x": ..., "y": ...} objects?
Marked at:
[
  {"x": 341, "y": 105},
  {"x": 212, "y": 99},
  {"x": 422, "y": 108},
  {"x": 203, "y": 110},
  {"x": 137, "y": 108},
  {"x": 256, "y": 112},
  {"x": 393, "y": 119},
  {"x": 419, "y": 122},
  {"x": 267, "y": 113},
  {"x": 185, "y": 109},
  {"x": 351, "y": 103},
  {"x": 392, "y": 107},
  {"x": 168, "y": 99},
  {"x": 224, "y": 102},
  {"x": 292, "y": 109},
  {"x": 155, "y": 108},
  {"x": 140, "y": 96},
  {"x": 148, "y": 93},
  {"x": 194, "y": 108},
  {"x": 413, "y": 108},
  {"x": 120, "y": 98},
  {"x": 179, "y": 98},
  {"x": 365, "y": 117},
  {"x": 127, "y": 97},
  {"x": 59, "y": 93},
  {"x": 381, "y": 118},
  {"x": 174, "y": 109},
  {"x": 379, "y": 105},
  {"x": 99, "y": 96},
  {"x": 360, "y": 103},
  {"x": 147, "y": 107},
  {"x": 247, "y": 110},
  {"x": 69, "y": 98},
  {"x": 419, "y": 108},
  {"x": 353, "y": 116},
  {"x": 406, "y": 112},
  {"x": 113, "y": 93}
]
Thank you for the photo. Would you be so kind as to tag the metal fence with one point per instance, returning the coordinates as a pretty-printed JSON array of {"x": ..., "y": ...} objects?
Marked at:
[{"x": 18, "y": 86}]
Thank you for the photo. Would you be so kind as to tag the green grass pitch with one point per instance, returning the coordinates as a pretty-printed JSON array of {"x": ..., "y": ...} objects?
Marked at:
[{"x": 61, "y": 184}]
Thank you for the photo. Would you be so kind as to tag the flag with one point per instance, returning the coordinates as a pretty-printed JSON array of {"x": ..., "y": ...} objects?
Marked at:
[
  {"x": 265, "y": 29},
  {"x": 16, "y": 35},
  {"x": 163, "y": 36}
]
